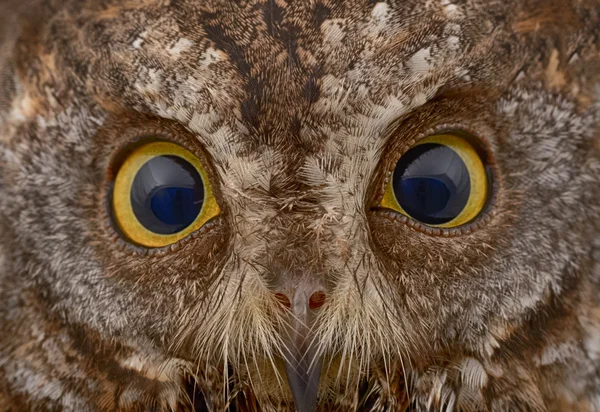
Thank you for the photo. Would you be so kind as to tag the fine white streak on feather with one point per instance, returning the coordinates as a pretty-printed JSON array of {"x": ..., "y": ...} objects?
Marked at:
[{"x": 473, "y": 373}]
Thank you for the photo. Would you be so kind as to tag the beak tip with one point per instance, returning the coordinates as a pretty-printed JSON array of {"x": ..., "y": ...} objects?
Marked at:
[{"x": 304, "y": 385}]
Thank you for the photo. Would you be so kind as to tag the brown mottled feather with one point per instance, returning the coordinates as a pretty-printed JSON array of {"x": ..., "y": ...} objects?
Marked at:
[{"x": 298, "y": 110}]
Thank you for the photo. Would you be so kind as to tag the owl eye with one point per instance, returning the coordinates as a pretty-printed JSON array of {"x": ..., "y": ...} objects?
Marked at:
[
  {"x": 162, "y": 194},
  {"x": 441, "y": 181}
]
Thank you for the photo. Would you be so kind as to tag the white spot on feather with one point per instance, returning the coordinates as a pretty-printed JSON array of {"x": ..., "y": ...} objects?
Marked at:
[
  {"x": 420, "y": 62},
  {"x": 200, "y": 122},
  {"x": 591, "y": 341},
  {"x": 181, "y": 46},
  {"x": 559, "y": 353},
  {"x": 380, "y": 14},
  {"x": 450, "y": 10},
  {"x": 210, "y": 56},
  {"x": 419, "y": 99},
  {"x": 163, "y": 372},
  {"x": 333, "y": 32},
  {"x": 453, "y": 42},
  {"x": 153, "y": 84},
  {"x": 137, "y": 43},
  {"x": 22, "y": 108}
]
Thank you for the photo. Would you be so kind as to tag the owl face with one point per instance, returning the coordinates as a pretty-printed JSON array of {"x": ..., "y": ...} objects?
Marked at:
[{"x": 334, "y": 204}]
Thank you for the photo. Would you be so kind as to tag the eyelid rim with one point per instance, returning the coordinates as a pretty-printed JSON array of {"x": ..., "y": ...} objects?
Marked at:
[
  {"x": 477, "y": 199},
  {"x": 123, "y": 210}
]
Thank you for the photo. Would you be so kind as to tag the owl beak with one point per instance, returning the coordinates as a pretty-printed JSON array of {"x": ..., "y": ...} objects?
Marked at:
[{"x": 302, "y": 362}]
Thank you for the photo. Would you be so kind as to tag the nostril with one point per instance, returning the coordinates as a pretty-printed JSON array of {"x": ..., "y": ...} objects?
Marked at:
[
  {"x": 316, "y": 300},
  {"x": 283, "y": 299}
]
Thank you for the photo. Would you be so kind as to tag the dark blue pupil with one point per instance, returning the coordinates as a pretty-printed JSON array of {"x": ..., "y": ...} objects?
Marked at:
[
  {"x": 431, "y": 183},
  {"x": 167, "y": 194}
]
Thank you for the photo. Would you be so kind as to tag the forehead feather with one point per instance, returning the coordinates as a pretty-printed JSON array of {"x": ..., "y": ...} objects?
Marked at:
[{"x": 234, "y": 64}]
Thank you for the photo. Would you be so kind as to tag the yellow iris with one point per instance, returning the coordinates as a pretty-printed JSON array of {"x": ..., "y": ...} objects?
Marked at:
[
  {"x": 477, "y": 178},
  {"x": 123, "y": 207}
]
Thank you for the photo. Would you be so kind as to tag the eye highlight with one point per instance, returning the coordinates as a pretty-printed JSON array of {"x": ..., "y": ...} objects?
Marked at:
[
  {"x": 162, "y": 194},
  {"x": 440, "y": 182}
]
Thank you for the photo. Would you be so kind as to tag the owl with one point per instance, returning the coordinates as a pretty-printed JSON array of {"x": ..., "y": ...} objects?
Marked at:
[{"x": 276, "y": 205}]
